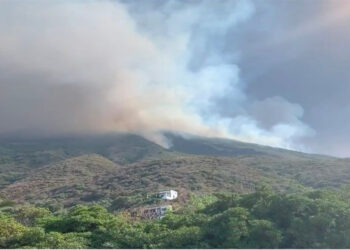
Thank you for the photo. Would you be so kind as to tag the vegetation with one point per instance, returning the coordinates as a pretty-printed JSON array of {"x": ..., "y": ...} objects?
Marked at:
[
  {"x": 19, "y": 157},
  {"x": 93, "y": 178},
  {"x": 82, "y": 190},
  {"x": 70, "y": 171},
  {"x": 263, "y": 219}
]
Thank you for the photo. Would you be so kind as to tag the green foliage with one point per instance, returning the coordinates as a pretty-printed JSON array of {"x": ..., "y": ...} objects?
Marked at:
[
  {"x": 79, "y": 219},
  {"x": 70, "y": 171},
  {"x": 9, "y": 230},
  {"x": 63, "y": 241},
  {"x": 183, "y": 237},
  {"x": 141, "y": 199},
  {"x": 228, "y": 229},
  {"x": 28, "y": 215},
  {"x": 263, "y": 234},
  {"x": 264, "y": 219},
  {"x": 198, "y": 202},
  {"x": 119, "y": 172}
]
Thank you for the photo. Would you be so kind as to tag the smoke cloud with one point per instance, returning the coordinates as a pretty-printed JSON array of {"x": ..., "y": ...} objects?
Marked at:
[{"x": 143, "y": 68}]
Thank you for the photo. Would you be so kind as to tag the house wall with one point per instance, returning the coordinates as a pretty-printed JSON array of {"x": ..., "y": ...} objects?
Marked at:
[{"x": 168, "y": 195}]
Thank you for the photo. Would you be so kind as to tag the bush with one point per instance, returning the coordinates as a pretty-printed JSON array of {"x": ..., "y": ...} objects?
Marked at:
[{"x": 259, "y": 220}]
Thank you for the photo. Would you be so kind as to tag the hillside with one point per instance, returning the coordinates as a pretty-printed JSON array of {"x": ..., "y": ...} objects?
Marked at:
[
  {"x": 79, "y": 170},
  {"x": 63, "y": 181},
  {"x": 18, "y": 157},
  {"x": 317, "y": 171},
  {"x": 260, "y": 220}
]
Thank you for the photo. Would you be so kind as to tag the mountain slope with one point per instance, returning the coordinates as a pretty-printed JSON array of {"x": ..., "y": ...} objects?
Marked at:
[
  {"x": 93, "y": 178},
  {"x": 312, "y": 170},
  {"x": 229, "y": 148},
  {"x": 63, "y": 181},
  {"x": 76, "y": 170},
  {"x": 18, "y": 157}
]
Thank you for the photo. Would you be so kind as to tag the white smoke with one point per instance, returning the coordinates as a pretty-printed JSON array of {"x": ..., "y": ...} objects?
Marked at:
[{"x": 102, "y": 66}]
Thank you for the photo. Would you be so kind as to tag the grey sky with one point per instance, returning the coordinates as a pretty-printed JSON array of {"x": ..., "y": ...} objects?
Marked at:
[
  {"x": 271, "y": 72},
  {"x": 311, "y": 69}
]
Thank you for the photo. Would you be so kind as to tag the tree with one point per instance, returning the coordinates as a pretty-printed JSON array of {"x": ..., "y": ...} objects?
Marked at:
[
  {"x": 10, "y": 231},
  {"x": 28, "y": 215},
  {"x": 78, "y": 219},
  {"x": 183, "y": 237},
  {"x": 228, "y": 229},
  {"x": 57, "y": 240},
  {"x": 262, "y": 234}
]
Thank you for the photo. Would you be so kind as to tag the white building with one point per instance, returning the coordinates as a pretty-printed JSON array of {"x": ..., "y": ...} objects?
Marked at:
[{"x": 168, "y": 195}]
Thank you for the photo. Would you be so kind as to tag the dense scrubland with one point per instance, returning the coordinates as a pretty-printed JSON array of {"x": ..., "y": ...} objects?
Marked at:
[
  {"x": 78, "y": 193},
  {"x": 263, "y": 219}
]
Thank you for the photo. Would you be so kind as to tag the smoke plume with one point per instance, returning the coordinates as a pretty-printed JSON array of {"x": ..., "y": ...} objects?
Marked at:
[{"x": 143, "y": 68}]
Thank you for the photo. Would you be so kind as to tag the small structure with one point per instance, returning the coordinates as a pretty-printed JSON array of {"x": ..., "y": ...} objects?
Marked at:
[
  {"x": 168, "y": 195},
  {"x": 157, "y": 212},
  {"x": 153, "y": 212}
]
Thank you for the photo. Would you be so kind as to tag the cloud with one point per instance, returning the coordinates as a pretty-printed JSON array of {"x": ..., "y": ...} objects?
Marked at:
[{"x": 103, "y": 66}]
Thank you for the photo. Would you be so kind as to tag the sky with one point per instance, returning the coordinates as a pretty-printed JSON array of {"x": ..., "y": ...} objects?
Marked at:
[{"x": 262, "y": 71}]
